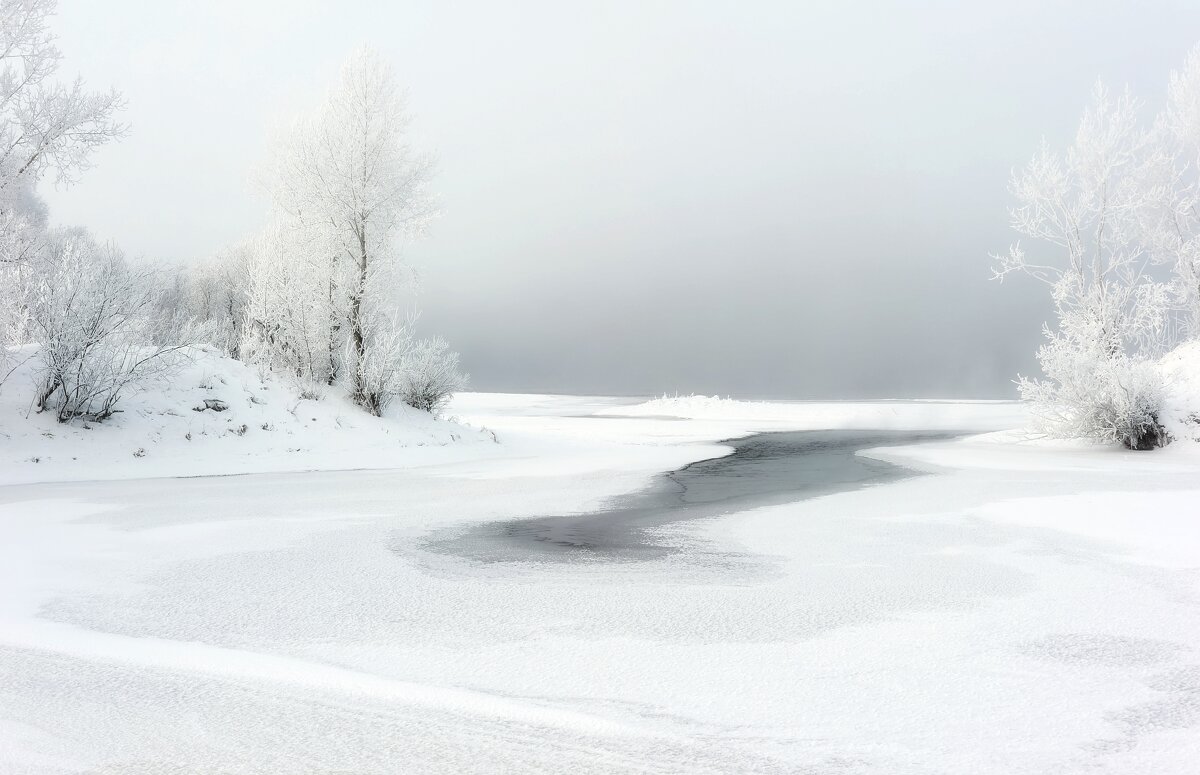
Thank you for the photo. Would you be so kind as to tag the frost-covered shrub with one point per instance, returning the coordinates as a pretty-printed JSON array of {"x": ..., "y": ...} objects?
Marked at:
[
  {"x": 379, "y": 370},
  {"x": 430, "y": 375},
  {"x": 422, "y": 373},
  {"x": 91, "y": 314},
  {"x": 1090, "y": 393}
]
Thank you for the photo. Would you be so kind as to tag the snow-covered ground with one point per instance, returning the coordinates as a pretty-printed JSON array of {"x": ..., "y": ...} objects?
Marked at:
[
  {"x": 216, "y": 416},
  {"x": 1024, "y": 608}
]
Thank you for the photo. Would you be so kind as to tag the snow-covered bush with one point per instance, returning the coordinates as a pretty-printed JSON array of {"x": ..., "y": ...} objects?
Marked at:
[
  {"x": 396, "y": 365},
  {"x": 380, "y": 378},
  {"x": 1090, "y": 394},
  {"x": 429, "y": 375},
  {"x": 91, "y": 314}
]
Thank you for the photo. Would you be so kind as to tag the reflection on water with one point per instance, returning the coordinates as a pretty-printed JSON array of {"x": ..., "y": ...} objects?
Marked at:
[{"x": 764, "y": 469}]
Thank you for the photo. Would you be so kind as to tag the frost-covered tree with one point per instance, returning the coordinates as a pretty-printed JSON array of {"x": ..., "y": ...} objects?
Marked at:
[
  {"x": 285, "y": 314},
  {"x": 348, "y": 177},
  {"x": 45, "y": 127},
  {"x": 1087, "y": 210},
  {"x": 23, "y": 219},
  {"x": 322, "y": 292},
  {"x": 22, "y": 232},
  {"x": 1172, "y": 222}
]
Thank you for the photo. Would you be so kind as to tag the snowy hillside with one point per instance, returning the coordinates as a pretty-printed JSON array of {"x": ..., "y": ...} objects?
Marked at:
[{"x": 217, "y": 416}]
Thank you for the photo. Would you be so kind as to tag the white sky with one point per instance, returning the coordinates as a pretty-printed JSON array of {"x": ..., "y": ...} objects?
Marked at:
[{"x": 764, "y": 199}]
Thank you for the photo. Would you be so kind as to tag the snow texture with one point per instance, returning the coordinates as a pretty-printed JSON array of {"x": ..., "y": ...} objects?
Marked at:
[{"x": 1027, "y": 607}]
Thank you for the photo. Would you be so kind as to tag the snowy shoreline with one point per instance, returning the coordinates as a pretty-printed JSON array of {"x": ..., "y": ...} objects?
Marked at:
[{"x": 178, "y": 624}]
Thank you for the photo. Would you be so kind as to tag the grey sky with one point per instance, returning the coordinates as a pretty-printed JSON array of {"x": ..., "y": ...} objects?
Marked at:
[{"x": 761, "y": 199}]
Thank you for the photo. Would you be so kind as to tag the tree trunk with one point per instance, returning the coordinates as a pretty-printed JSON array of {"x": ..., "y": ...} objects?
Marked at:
[
  {"x": 356, "y": 325},
  {"x": 334, "y": 322},
  {"x": 45, "y": 396}
]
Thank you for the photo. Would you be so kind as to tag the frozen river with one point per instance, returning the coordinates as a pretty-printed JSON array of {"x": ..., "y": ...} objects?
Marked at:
[{"x": 763, "y": 469}]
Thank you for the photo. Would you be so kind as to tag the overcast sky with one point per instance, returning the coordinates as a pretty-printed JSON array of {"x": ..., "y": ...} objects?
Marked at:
[{"x": 785, "y": 199}]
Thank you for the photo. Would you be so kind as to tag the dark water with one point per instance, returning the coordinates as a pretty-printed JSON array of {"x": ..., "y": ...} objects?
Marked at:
[{"x": 764, "y": 469}]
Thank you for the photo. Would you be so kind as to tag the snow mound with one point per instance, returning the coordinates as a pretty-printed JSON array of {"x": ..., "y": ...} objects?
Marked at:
[
  {"x": 217, "y": 416},
  {"x": 1180, "y": 370}
]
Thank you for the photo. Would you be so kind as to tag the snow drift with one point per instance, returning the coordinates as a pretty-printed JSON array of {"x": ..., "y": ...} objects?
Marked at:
[{"x": 1180, "y": 371}]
